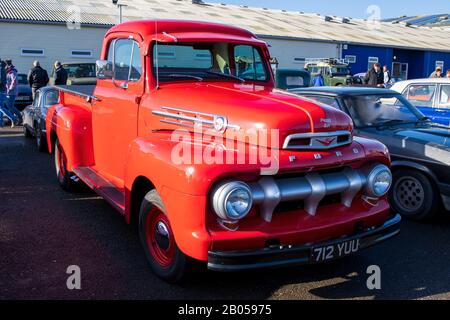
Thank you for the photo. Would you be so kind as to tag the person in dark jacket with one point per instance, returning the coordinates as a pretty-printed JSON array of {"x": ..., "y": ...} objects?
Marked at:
[
  {"x": 38, "y": 77},
  {"x": 374, "y": 77},
  {"x": 60, "y": 74}
]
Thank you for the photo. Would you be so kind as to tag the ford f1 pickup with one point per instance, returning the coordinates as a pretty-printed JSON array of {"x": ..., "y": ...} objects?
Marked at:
[{"x": 185, "y": 138}]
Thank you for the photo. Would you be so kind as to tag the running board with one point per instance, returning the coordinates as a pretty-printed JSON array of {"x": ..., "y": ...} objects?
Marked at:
[{"x": 115, "y": 196}]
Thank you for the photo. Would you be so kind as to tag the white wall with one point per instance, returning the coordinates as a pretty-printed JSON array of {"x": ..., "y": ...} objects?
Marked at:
[
  {"x": 287, "y": 50},
  {"x": 56, "y": 40}
]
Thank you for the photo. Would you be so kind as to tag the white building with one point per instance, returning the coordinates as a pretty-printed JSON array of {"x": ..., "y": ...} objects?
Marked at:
[{"x": 69, "y": 30}]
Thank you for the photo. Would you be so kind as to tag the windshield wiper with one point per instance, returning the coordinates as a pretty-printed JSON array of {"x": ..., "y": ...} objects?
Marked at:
[
  {"x": 176, "y": 75},
  {"x": 392, "y": 123},
  {"x": 226, "y": 75}
]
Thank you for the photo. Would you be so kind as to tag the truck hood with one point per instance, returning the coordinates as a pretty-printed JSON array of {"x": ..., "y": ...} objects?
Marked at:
[{"x": 249, "y": 107}]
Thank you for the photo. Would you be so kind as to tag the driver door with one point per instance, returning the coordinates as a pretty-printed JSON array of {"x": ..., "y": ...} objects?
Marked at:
[{"x": 115, "y": 112}]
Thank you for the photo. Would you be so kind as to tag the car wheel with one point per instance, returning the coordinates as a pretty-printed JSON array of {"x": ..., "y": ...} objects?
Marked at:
[
  {"x": 165, "y": 258},
  {"x": 63, "y": 175},
  {"x": 26, "y": 133},
  {"x": 414, "y": 196},
  {"x": 41, "y": 142}
]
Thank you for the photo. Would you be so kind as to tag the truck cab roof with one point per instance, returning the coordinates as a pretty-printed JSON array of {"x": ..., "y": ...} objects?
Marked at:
[{"x": 185, "y": 31}]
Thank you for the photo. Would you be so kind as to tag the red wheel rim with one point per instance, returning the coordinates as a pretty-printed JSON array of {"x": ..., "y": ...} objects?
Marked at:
[
  {"x": 159, "y": 237},
  {"x": 61, "y": 162}
]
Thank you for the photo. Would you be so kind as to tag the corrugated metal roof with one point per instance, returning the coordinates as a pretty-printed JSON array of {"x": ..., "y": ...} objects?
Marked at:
[{"x": 264, "y": 22}]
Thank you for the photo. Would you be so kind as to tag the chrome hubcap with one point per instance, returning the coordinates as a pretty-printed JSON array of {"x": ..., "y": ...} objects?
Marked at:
[
  {"x": 410, "y": 194},
  {"x": 162, "y": 236}
]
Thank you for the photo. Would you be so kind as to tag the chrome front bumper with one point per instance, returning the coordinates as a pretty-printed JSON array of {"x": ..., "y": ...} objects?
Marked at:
[{"x": 312, "y": 188}]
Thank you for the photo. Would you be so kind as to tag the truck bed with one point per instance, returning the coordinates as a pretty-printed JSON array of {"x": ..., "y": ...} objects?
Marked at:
[{"x": 86, "y": 91}]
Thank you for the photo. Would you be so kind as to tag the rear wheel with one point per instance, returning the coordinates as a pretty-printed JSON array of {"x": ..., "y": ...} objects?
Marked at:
[
  {"x": 165, "y": 258},
  {"x": 63, "y": 175},
  {"x": 41, "y": 143},
  {"x": 414, "y": 196}
]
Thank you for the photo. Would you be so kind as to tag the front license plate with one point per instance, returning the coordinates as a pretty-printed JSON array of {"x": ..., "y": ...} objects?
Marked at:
[{"x": 334, "y": 251}]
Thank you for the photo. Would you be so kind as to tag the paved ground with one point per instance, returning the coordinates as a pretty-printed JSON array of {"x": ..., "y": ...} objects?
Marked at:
[{"x": 43, "y": 230}]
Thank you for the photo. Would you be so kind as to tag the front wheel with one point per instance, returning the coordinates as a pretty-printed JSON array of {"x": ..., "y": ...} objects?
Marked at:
[
  {"x": 414, "y": 196},
  {"x": 41, "y": 142},
  {"x": 63, "y": 175},
  {"x": 165, "y": 258}
]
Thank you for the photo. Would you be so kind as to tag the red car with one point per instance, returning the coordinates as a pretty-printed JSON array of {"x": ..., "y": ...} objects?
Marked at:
[{"x": 185, "y": 137}]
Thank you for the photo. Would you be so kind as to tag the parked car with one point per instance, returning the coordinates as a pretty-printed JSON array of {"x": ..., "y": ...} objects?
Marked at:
[
  {"x": 122, "y": 137},
  {"x": 431, "y": 96},
  {"x": 287, "y": 79},
  {"x": 34, "y": 116},
  {"x": 420, "y": 149},
  {"x": 25, "y": 97},
  {"x": 334, "y": 71},
  {"x": 79, "y": 73}
]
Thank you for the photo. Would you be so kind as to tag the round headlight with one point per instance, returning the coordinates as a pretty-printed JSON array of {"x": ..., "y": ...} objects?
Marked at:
[
  {"x": 232, "y": 201},
  {"x": 379, "y": 181}
]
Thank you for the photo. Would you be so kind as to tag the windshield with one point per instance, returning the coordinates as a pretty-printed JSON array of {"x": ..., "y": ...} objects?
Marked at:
[
  {"x": 341, "y": 71},
  {"x": 81, "y": 70},
  {"x": 206, "y": 61},
  {"x": 374, "y": 110},
  {"x": 22, "y": 78}
]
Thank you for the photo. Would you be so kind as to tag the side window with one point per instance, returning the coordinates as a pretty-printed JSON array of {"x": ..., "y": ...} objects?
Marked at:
[
  {"x": 51, "y": 98},
  {"x": 125, "y": 55},
  {"x": 248, "y": 63},
  {"x": 444, "y": 98},
  {"x": 421, "y": 95}
]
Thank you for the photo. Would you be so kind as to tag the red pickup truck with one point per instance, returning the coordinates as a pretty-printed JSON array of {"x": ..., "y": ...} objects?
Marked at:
[{"x": 185, "y": 135}]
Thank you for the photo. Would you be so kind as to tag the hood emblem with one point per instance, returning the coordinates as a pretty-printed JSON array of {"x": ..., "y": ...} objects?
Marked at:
[{"x": 326, "y": 141}]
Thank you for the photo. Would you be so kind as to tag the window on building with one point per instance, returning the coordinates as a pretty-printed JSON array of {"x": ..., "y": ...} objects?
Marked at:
[
  {"x": 372, "y": 61},
  {"x": 300, "y": 61},
  {"x": 350, "y": 59},
  {"x": 26, "y": 52},
  {"x": 81, "y": 53},
  {"x": 421, "y": 95}
]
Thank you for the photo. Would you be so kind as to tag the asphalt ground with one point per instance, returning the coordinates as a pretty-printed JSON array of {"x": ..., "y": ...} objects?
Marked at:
[{"x": 43, "y": 230}]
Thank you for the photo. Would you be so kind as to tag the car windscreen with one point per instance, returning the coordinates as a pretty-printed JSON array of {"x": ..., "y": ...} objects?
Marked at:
[
  {"x": 81, "y": 70},
  {"x": 374, "y": 109},
  {"x": 206, "y": 61},
  {"x": 22, "y": 79}
]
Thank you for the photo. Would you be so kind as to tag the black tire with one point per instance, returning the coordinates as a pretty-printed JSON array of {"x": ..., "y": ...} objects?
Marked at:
[
  {"x": 63, "y": 175},
  {"x": 166, "y": 260},
  {"x": 41, "y": 141},
  {"x": 414, "y": 195},
  {"x": 26, "y": 133}
]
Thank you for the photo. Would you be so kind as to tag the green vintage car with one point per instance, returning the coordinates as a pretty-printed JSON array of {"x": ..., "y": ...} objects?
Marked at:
[{"x": 334, "y": 71}]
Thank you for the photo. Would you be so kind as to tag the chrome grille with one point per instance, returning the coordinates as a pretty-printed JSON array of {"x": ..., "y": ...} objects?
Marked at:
[{"x": 317, "y": 141}]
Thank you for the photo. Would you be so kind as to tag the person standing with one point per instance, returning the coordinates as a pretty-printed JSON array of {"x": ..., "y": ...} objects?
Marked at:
[
  {"x": 387, "y": 75},
  {"x": 60, "y": 74},
  {"x": 447, "y": 74},
  {"x": 437, "y": 73},
  {"x": 12, "y": 90},
  {"x": 319, "y": 81},
  {"x": 374, "y": 77},
  {"x": 37, "y": 78},
  {"x": 3, "y": 110}
]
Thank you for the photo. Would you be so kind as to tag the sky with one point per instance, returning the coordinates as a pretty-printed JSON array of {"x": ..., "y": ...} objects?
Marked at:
[{"x": 352, "y": 8}]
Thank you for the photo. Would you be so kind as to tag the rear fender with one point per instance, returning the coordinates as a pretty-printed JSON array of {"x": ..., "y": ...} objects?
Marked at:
[{"x": 72, "y": 125}]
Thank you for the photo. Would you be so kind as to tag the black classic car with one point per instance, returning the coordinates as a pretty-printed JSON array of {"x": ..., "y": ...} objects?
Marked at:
[
  {"x": 24, "y": 98},
  {"x": 34, "y": 116},
  {"x": 420, "y": 149}
]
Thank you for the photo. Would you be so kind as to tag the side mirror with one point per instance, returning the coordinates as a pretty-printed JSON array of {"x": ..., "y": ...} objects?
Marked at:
[{"x": 104, "y": 69}]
